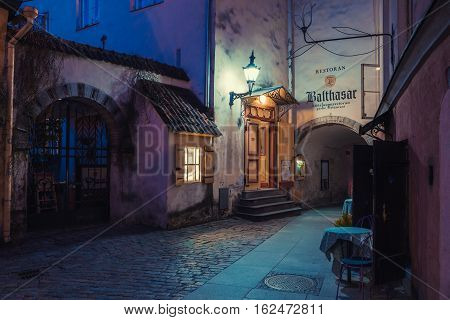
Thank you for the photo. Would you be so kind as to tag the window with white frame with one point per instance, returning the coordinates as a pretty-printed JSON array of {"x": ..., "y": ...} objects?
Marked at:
[
  {"x": 139, "y": 4},
  {"x": 87, "y": 13},
  {"x": 192, "y": 164},
  {"x": 41, "y": 22}
]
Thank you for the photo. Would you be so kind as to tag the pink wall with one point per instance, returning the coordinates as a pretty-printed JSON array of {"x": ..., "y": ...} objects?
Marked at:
[
  {"x": 416, "y": 117},
  {"x": 444, "y": 194}
]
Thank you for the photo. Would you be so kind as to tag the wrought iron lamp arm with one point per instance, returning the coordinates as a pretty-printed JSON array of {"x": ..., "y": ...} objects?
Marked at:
[{"x": 234, "y": 96}]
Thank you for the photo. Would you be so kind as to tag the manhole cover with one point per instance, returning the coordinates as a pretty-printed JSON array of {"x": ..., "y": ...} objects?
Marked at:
[{"x": 291, "y": 282}]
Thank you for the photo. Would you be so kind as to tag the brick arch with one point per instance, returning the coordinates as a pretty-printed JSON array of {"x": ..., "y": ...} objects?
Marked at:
[
  {"x": 307, "y": 127},
  {"x": 120, "y": 137}
]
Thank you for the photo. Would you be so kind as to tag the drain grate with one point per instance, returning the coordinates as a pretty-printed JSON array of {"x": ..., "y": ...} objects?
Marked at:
[{"x": 293, "y": 283}]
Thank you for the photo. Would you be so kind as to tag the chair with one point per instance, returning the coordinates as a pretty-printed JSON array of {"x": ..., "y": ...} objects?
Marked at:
[
  {"x": 358, "y": 262},
  {"x": 366, "y": 222},
  {"x": 45, "y": 192}
]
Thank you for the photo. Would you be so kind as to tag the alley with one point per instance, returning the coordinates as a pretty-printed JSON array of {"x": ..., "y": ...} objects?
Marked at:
[{"x": 134, "y": 263}]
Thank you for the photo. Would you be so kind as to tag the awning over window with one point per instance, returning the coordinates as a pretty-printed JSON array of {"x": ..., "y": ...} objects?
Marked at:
[{"x": 179, "y": 108}]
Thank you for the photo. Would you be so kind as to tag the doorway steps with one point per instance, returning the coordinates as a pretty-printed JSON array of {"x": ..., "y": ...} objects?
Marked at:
[{"x": 264, "y": 204}]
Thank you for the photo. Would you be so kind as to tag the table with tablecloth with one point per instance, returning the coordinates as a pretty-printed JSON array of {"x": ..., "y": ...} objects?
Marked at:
[{"x": 335, "y": 242}]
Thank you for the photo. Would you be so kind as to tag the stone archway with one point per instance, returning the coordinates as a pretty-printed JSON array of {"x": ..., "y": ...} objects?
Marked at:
[
  {"x": 326, "y": 144},
  {"x": 119, "y": 129},
  {"x": 307, "y": 127},
  {"x": 91, "y": 103}
]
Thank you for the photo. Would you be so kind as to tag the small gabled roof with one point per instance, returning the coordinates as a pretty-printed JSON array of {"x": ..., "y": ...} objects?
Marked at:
[{"x": 179, "y": 108}]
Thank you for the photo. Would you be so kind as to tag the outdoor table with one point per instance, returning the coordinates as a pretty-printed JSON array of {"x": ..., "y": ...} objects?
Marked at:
[
  {"x": 347, "y": 207},
  {"x": 335, "y": 237}
]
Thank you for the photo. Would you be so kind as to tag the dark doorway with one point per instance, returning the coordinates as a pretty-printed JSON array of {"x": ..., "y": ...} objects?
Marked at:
[
  {"x": 69, "y": 166},
  {"x": 391, "y": 248},
  {"x": 362, "y": 184}
]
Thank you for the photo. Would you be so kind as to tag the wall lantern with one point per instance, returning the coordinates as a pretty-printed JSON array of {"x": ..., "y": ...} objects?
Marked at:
[
  {"x": 251, "y": 72},
  {"x": 300, "y": 167}
]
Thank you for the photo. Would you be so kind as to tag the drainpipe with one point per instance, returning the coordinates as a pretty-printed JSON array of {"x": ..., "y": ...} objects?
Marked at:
[{"x": 30, "y": 14}]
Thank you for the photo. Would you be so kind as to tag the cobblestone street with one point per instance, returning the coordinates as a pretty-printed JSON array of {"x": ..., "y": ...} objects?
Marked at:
[{"x": 133, "y": 263}]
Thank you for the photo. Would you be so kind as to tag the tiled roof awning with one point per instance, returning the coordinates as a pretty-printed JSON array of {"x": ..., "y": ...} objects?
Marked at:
[
  {"x": 179, "y": 108},
  {"x": 278, "y": 94}
]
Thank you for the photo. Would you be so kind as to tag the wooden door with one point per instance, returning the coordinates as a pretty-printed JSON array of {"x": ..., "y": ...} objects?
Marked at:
[
  {"x": 252, "y": 155},
  {"x": 264, "y": 155}
]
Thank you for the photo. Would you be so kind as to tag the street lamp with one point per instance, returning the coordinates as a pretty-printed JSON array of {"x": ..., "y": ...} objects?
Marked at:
[{"x": 251, "y": 72}]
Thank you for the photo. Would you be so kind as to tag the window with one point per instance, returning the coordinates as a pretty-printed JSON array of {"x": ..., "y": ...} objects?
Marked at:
[
  {"x": 139, "y": 4},
  {"x": 41, "y": 22},
  {"x": 370, "y": 90},
  {"x": 300, "y": 167},
  {"x": 87, "y": 13},
  {"x": 324, "y": 175},
  {"x": 191, "y": 164}
]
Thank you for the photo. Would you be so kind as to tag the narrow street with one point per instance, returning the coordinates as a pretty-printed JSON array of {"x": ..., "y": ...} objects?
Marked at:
[{"x": 219, "y": 260}]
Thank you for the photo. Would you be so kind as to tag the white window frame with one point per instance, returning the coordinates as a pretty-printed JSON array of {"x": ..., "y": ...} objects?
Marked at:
[
  {"x": 196, "y": 163},
  {"x": 89, "y": 17},
  {"x": 44, "y": 16}
]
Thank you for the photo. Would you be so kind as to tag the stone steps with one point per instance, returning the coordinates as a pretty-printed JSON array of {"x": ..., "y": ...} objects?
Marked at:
[{"x": 266, "y": 203}]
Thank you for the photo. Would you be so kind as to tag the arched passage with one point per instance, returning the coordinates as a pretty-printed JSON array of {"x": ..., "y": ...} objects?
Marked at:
[
  {"x": 76, "y": 130},
  {"x": 328, "y": 151}
]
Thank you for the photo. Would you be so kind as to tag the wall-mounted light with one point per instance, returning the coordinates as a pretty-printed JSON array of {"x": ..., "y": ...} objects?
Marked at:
[
  {"x": 251, "y": 72},
  {"x": 262, "y": 99}
]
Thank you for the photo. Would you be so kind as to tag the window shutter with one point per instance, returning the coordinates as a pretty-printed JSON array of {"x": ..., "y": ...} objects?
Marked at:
[
  {"x": 179, "y": 165},
  {"x": 209, "y": 165}
]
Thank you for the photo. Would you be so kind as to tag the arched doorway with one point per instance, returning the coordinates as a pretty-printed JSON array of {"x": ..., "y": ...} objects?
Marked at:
[
  {"x": 327, "y": 150},
  {"x": 69, "y": 167}
]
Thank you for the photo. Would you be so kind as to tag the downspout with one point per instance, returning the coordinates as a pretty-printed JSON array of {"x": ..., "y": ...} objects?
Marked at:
[{"x": 30, "y": 14}]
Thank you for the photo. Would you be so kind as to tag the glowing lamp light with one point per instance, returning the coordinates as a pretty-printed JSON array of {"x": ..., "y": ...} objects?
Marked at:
[
  {"x": 262, "y": 99},
  {"x": 251, "y": 72}
]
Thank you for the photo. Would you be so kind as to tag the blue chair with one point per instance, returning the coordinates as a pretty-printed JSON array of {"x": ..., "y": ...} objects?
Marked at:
[
  {"x": 366, "y": 222},
  {"x": 359, "y": 262}
]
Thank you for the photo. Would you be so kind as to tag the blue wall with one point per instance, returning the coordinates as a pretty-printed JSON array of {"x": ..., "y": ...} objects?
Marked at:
[{"x": 155, "y": 32}]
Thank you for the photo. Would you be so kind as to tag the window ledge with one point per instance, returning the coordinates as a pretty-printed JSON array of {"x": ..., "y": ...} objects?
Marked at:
[
  {"x": 146, "y": 7},
  {"x": 87, "y": 26}
]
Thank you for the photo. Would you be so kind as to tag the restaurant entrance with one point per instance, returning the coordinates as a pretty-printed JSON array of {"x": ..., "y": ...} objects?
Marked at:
[{"x": 260, "y": 153}]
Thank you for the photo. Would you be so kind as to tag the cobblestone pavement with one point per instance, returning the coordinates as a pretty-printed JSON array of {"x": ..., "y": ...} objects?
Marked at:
[{"x": 133, "y": 263}]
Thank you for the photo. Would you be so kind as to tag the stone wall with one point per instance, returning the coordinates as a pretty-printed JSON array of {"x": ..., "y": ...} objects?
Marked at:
[{"x": 240, "y": 27}]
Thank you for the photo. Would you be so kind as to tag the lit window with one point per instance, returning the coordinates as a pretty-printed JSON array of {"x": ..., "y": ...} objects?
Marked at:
[
  {"x": 87, "y": 13},
  {"x": 41, "y": 22},
  {"x": 139, "y": 4},
  {"x": 300, "y": 167},
  {"x": 191, "y": 164}
]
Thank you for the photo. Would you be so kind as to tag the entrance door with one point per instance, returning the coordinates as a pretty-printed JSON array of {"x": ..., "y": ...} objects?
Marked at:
[
  {"x": 69, "y": 167},
  {"x": 390, "y": 187},
  {"x": 258, "y": 154},
  {"x": 362, "y": 182}
]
